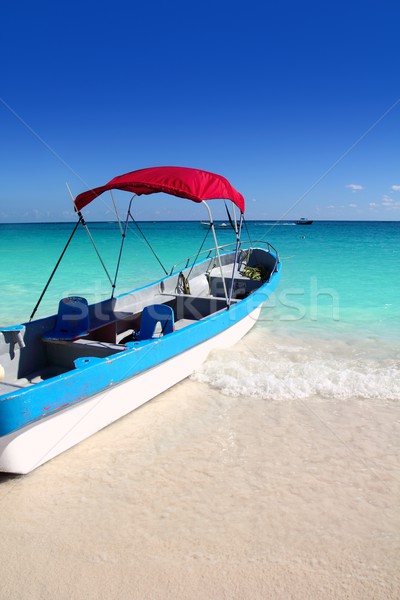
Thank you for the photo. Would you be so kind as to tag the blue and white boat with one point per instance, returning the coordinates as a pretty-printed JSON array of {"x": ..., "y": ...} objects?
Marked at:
[
  {"x": 304, "y": 221},
  {"x": 66, "y": 376},
  {"x": 217, "y": 225}
]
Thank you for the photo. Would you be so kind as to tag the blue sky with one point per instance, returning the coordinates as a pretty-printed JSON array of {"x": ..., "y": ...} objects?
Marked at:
[{"x": 296, "y": 103}]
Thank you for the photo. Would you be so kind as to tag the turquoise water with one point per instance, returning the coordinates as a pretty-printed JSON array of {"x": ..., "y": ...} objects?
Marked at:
[{"x": 337, "y": 303}]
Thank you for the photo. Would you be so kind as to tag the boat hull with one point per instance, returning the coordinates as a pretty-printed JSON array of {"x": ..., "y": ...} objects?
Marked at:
[{"x": 27, "y": 448}]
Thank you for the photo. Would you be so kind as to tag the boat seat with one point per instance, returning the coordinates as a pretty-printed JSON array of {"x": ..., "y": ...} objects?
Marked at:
[
  {"x": 72, "y": 320},
  {"x": 153, "y": 314}
]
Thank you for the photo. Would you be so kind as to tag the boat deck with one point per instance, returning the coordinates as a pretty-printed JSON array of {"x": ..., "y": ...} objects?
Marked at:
[
  {"x": 113, "y": 323},
  {"x": 242, "y": 285},
  {"x": 62, "y": 355}
]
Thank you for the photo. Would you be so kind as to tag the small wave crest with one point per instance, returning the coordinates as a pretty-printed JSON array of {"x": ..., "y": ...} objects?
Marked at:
[{"x": 297, "y": 376}]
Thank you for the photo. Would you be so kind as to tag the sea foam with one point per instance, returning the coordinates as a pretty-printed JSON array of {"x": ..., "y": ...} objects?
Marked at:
[{"x": 281, "y": 372}]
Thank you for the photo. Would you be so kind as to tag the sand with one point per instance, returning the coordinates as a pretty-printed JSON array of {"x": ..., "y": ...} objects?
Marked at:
[{"x": 202, "y": 496}]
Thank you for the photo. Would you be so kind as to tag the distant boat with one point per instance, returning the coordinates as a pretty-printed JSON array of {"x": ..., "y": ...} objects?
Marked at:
[
  {"x": 303, "y": 221},
  {"x": 216, "y": 225}
]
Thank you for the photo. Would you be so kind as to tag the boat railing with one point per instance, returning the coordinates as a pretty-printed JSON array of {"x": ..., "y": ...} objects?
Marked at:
[{"x": 225, "y": 248}]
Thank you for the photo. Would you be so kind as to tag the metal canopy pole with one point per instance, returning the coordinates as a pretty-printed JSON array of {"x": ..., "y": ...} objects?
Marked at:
[
  {"x": 217, "y": 250},
  {"x": 82, "y": 220},
  {"x": 116, "y": 212},
  {"x": 236, "y": 256}
]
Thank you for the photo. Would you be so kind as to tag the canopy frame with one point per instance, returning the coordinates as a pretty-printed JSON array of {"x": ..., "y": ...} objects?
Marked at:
[{"x": 193, "y": 184}]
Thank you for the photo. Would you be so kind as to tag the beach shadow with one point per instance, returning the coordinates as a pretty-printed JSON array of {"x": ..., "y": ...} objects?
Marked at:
[{"x": 6, "y": 477}]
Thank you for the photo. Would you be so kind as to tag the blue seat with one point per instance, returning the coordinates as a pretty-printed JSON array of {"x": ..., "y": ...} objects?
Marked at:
[
  {"x": 151, "y": 315},
  {"x": 72, "y": 320}
]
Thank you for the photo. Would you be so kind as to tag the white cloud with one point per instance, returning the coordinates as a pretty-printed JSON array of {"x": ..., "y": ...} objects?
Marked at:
[
  {"x": 354, "y": 187},
  {"x": 396, "y": 188},
  {"x": 387, "y": 201},
  {"x": 393, "y": 206},
  {"x": 353, "y": 205}
]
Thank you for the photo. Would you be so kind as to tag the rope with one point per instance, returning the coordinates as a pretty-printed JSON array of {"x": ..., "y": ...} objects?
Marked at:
[
  {"x": 123, "y": 233},
  {"x": 116, "y": 213},
  {"x": 147, "y": 242},
  {"x": 248, "y": 252},
  {"x": 82, "y": 220},
  {"x": 247, "y": 229},
  {"x": 182, "y": 281},
  {"x": 230, "y": 220},
  {"x": 200, "y": 249},
  {"x": 53, "y": 272}
]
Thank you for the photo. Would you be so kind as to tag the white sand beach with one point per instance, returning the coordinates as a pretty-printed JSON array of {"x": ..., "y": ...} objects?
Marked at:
[{"x": 199, "y": 495}]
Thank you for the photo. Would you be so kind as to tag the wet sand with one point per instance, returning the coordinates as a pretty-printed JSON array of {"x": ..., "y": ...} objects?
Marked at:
[{"x": 200, "y": 496}]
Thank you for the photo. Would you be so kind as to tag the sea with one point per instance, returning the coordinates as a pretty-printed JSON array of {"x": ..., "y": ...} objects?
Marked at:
[
  {"x": 271, "y": 472},
  {"x": 331, "y": 328}
]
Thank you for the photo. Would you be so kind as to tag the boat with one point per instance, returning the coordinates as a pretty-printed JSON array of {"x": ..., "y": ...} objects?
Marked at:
[
  {"x": 70, "y": 374},
  {"x": 303, "y": 221},
  {"x": 216, "y": 224}
]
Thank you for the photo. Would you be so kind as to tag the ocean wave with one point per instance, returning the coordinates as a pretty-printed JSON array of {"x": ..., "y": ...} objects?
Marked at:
[
  {"x": 296, "y": 376},
  {"x": 278, "y": 224}
]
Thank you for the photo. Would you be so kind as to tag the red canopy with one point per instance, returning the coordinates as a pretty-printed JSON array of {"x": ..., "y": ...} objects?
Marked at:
[{"x": 193, "y": 184}]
